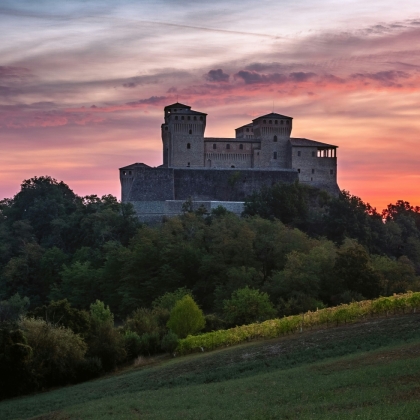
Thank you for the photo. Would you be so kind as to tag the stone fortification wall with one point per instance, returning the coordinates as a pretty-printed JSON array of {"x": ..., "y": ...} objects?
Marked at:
[
  {"x": 161, "y": 184},
  {"x": 225, "y": 184}
]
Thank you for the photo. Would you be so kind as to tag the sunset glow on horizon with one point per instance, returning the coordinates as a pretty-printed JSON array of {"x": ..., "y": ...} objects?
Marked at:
[{"x": 83, "y": 84}]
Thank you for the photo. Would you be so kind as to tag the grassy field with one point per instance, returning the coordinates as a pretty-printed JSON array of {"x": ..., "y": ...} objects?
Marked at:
[{"x": 369, "y": 370}]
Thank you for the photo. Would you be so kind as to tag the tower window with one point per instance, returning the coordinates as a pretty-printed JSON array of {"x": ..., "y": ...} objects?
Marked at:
[
  {"x": 182, "y": 117},
  {"x": 195, "y": 118},
  {"x": 270, "y": 122},
  {"x": 190, "y": 132},
  {"x": 287, "y": 122},
  {"x": 241, "y": 147},
  {"x": 313, "y": 171},
  {"x": 201, "y": 118},
  {"x": 188, "y": 118},
  {"x": 276, "y": 122},
  {"x": 228, "y": 146},
  {"x": 124, "y": 172},
  {"x": 188, "y": 146},
  {"x": 166, "y": 128},
  {"x": 299, "y": 153},
  {"x": 274, "y": 155},
  {"x": 214, "y": 146},
  {"x": 275, "y": 138}
]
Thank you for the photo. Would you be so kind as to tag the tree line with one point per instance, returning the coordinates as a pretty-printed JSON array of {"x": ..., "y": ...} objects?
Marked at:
[{"x": 84, "y": 268}]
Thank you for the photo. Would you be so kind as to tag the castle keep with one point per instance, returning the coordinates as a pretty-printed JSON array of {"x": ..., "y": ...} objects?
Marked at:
[{"x": 223, "y": 171}]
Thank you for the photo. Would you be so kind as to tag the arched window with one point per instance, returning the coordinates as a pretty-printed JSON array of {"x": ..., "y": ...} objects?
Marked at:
[
  {"x": 241, "y": 147},
  {"x": 228, "y": 146},
  {"x": 281, "y": 122},
  {"x": 188, "y": 118},
  {"x": 214, "y": 146},
  {"x": 190, "y": 132},
  {"x": 188, "y": 146},
  {"x": 275, "y": 138}
]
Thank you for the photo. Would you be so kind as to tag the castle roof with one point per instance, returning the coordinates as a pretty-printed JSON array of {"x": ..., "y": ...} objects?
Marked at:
[
  {"x": 228, "y": 139},
  {"x": 299, "y": 142},
  {"x": 136, "y": 165},
  {"x": 273, "y": 115},
  {"x": 245, "y": 126},
  {"x": 177, "y": 105}
]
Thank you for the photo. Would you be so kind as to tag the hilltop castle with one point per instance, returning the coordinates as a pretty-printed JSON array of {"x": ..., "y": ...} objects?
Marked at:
[{"x": 223, "y": 171}]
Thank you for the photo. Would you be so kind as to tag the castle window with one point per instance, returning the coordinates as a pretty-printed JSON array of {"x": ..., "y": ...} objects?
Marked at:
[
  {"x": 275, "y": 122},
  {"x": 281, "y": 122},
  {"x": 214, "y": 146},
  {"x": 182, "y": 117},
  {"x": 188, "y": 118},
  {"x": 201, "y": 118},
  {"x": 331, "y": 172},
  {"x": 188, "y": 164},
  {"x": 188, "y": 146},
  {"x": 270, "y": 121},
  {"x": 176, "y": 117},
  {"x": 129, "y": 172},
  {"x": 287, "y": 122},
  {"x": 124, "y": 172},
  {"x": 275, "y": 138},
  {"x": 299, "y": 153},
  {"x": 190, "y": 132},
  {"x": 313, "y": 171},
  {"x": 313, "y": 154},
  {"x": 312, "y": 179},
  {"x": 166, "y": 128},
  {"x": 264, "y": 121},
  {"x": 228, "y": 146},
  {"x": 232, "y": 166},
  {"x": 299, "y": 170},
  {"x": 241, "y": 147},
  {"x": 274, "y": 155},
  {"x": 195, "y": 118},
  {"x": 247, "y": 130}
]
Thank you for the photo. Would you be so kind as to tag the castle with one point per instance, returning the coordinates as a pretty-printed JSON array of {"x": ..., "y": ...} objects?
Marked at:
[{"x": 223, "y": 171}]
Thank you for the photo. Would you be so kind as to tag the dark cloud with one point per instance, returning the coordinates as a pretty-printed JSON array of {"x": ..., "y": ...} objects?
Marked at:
[
  {"x": 217, "y": 76},
  {"x": 253, "y": 77},
  {"x": 153, "y": 100},
  {"x": 301, "y": 76},
  {"x": 388, "y": 78},
  {"x": 130, "y": 85},
  {"x": 172, "y": 89}
]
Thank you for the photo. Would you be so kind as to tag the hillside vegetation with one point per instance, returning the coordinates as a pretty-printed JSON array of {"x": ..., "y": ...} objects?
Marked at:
[
  {"x": 85, "y": 288},
  {"x": 368, "y": 370}
]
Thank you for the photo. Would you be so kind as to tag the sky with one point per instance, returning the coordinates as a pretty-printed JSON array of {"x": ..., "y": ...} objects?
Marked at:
[{"x": 83, "y": 84}]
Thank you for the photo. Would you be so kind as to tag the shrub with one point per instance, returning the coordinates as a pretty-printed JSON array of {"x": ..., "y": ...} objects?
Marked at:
[
  {"x": 150, "y": 344},
  {"x": 214, "y": 323},
  {"x": 132, "y": 344},
  {"x": 143, "y": 321},
  {"x": 57, "y": 351},
  {"x": 248, "y": 305},
  {"x": 168, "y": 300},
  {"x": 169, "y": 342},
  {"x": 186, "y": 317},
  {"x": 106, "y": 343},
  {"x": 101, "y": 314}
]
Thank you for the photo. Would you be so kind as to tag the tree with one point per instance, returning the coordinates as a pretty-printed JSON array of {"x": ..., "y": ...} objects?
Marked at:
[
  {"x": 248, "y": 305},
  {"x": 13, "y": 308},
  {"x": 186, "y": 317},
  {"x": 169, "y": 299}
]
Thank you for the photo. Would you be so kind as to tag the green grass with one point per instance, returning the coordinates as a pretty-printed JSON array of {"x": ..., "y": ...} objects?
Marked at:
[{"x": 366, "y": 371}]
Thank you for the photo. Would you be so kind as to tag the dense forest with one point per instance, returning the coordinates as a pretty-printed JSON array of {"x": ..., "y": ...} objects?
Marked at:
[{"x": 86, "y": 274}]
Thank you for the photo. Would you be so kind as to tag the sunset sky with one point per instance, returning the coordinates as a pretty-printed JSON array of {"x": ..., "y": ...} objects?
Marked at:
[{"x": 83, "y": 84}]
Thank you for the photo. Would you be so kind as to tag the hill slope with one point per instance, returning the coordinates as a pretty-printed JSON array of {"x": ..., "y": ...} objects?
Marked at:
[{"x": 369, "y": 369}]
